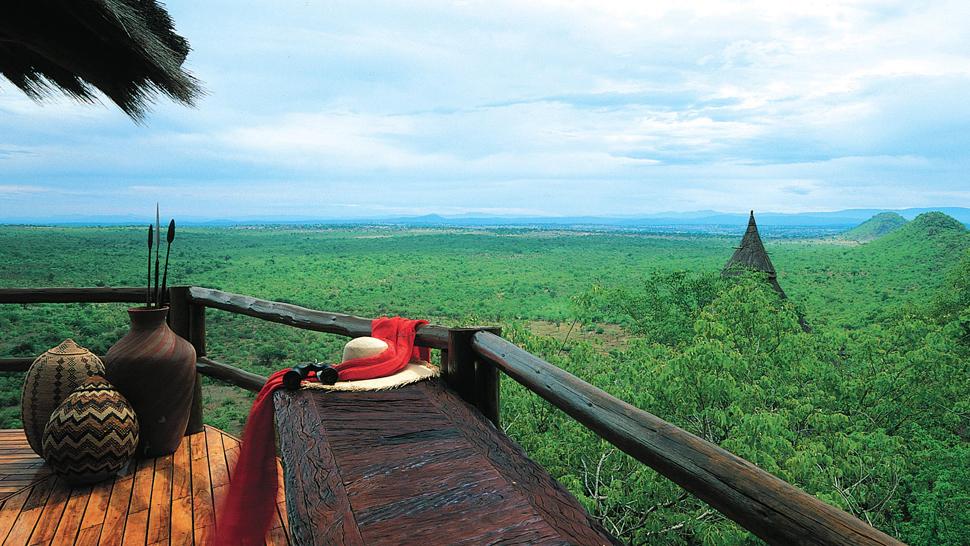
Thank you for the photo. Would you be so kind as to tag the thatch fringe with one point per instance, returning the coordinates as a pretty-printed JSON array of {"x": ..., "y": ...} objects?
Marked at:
[{"x": 127, "y": 49}]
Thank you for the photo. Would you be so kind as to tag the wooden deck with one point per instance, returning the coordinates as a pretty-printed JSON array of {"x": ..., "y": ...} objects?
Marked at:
[
  {"x": 415, "y": 465},
  {"x": 168, "y": 500}
]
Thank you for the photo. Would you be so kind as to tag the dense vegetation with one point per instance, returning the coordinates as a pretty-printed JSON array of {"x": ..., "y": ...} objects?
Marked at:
[
  {"x": 875, "y": 227},
  {"x": 870, "y": 412}
]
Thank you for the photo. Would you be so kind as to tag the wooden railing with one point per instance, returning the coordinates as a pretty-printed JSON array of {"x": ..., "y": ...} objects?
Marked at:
[{"x": 769, "y": 507}]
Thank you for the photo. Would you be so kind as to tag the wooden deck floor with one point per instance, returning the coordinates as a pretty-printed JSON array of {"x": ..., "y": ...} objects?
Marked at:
[{"x": 168, "y": 500}]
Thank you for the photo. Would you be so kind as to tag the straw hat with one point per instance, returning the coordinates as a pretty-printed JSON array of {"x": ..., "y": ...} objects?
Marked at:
[{"x": 363, "y": 347}]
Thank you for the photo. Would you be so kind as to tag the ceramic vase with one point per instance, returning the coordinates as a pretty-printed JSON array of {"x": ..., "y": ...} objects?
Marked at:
[
  {"x": 50, "y": 379},
  {"x": 92, "y": 435},
  {"x": 155, "y": 370}
]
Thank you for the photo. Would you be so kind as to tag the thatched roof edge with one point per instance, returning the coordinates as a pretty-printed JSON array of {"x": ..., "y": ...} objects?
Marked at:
[{"x": 127, "y": 49}]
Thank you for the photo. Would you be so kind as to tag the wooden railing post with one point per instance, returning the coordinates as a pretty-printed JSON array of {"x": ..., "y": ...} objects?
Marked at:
[
  {"x": 475, "y": 380},
  {"x": 188, "y": 320}
]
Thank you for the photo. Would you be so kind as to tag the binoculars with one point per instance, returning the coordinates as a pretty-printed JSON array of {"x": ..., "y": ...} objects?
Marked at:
[{"x": 325, "y": 374}]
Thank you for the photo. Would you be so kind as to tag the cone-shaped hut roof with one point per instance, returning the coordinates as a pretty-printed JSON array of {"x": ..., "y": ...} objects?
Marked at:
[
  {"x": 127, "y": 49},
  {"x": 751, "y": 255}
]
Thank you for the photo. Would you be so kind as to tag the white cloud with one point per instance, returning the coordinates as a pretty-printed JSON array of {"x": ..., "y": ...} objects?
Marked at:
[
  {"x": 586, "y": 106},
  {"x": 12, "y": 189}
]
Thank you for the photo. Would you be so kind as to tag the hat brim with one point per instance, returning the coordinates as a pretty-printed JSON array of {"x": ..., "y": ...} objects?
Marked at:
[{"x": 414, "y": 372}]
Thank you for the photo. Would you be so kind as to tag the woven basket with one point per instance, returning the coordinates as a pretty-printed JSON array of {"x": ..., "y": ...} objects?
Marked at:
[
  {"x": 51, "y": 378},
  {"x": 92, "y": 435}
]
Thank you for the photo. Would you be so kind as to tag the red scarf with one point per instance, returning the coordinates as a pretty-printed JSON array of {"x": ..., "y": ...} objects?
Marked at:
[{"x": 247, "y": 512}]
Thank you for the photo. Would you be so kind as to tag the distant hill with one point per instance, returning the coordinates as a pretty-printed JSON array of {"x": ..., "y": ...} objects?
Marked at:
[
  {"x": 929, "y": 228},
  {"x": 928, "y": 245},
  {"x": 875, "y": 227},
  {"x": 908, "y": 264}
]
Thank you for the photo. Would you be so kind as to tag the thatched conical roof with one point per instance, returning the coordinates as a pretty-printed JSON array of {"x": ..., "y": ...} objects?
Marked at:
[
  {"x": 751, "y": 255},
  {"x": 127, "y": 49}
]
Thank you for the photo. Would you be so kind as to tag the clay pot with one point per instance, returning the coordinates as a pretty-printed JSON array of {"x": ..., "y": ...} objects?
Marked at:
[
  {"x": 155, "y": 370},
  {"x": 50, "y": 379},
  {"x": 92, "y": 435}
]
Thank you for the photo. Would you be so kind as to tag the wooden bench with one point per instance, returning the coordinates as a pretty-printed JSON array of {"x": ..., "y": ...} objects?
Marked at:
[{"x": 415, "y": 465}]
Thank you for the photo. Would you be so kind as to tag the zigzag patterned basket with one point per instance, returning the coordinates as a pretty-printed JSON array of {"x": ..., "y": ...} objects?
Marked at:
[{"x": 92, "y": 435}]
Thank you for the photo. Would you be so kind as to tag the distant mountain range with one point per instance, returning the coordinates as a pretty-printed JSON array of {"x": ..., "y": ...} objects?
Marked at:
[{"x": 842, "y": 219}]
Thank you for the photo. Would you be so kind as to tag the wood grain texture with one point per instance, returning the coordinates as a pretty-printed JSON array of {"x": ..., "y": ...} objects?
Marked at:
[
  {"x": 474, "y": 380},
  {"x": 20, "y": 467},
  {"x": 769, "y": 507},
  {"x": 72, "y": 295},
  {"x": 153, "y": 501},
  {"x": 417, "y": 466},
  {"x": 316, "y": 501},
  {"x": 230, "y": 374},
  {"x": 188, "y": 321},
  {"x": 15, "y": 364},
  {"x": 30, "y": 512},
  {"x": 307, "y": 319}
]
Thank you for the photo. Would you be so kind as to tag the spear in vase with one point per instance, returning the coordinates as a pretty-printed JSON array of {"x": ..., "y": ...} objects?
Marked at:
[
  {"x": 170, "y": 237},
  {"x": 148, "y": 291},
  {"x": 158, "y": 229}
]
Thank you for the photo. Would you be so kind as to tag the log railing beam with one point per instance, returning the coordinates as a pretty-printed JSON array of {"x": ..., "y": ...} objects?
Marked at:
[
  {"x": 72, "y": 295},
  {"x": 307, "y": 319},
  {"x": 230, "y": 374}
]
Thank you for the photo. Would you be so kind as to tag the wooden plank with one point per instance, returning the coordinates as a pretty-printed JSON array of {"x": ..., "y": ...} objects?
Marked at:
[
  {"x": 202, "y": 505},
  {"x": 10, "y": 510},
  {"x": 97, "y": 507},
  {"x": 182, "y": 470},
  {"x": 70, "y": 523},
  {"x": 769, "y": 507},
  {"x": 218, "y": 471},
  {"x": 136, "y": 528},
  {"x": 316, "y": 501},
  {"x": 160, "y": 514},
  {"x": 182, "y": 531},
  {"x": 141, "y": 493},
  {"x": 30, "y": 512},
  {"x": 116, "y": 516},
  {"x": 88, "y": 536},
  {"x": 182, "y": 495},
  {"x": 50, "y": 517},
  {"x": 136, "y": 523}
]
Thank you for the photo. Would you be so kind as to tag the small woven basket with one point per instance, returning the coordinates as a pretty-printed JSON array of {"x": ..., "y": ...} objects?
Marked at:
[
  {"x": 51, "y": 378},
  {"x": 92, "y": 434}
]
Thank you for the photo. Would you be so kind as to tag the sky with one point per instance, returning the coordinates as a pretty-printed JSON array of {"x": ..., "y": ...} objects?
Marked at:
[{"x": 363, "y": 109}]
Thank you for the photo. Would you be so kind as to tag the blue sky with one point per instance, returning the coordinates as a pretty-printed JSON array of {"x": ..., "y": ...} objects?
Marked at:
[{"x": 352, "y": 109}]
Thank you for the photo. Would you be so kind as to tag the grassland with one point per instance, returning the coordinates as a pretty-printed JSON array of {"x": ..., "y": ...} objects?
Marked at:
[{"x": 535, "y": 283}]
